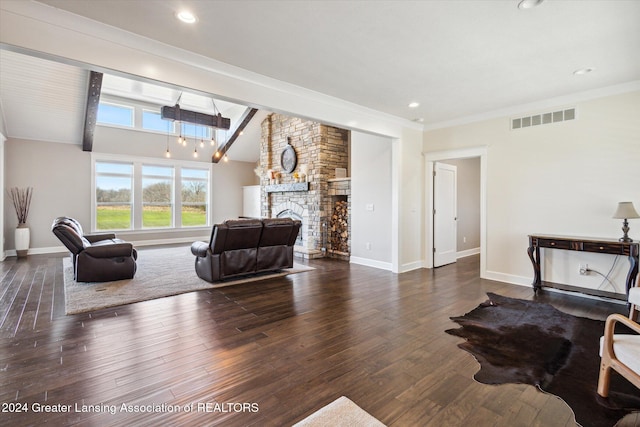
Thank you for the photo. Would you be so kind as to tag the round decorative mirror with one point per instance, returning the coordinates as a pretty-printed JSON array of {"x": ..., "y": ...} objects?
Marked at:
[{"x": 288, "y": 159}]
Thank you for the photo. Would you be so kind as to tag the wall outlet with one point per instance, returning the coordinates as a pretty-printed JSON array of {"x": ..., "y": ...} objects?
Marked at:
[
  {"x": 583, "y": 269},
  {"x": 368, "y": 245},
  {"x": 464, "y": 240}
]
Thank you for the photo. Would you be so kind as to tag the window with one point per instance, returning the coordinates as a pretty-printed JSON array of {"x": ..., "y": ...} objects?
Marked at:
[
  {"x": 115, "y": 111},
  {"x": 152, "y": 120},
  {"x": 145, "y": 194},
  {"x": 114, "y": 114},
  {"x": 114, "y": 191},
  {"x": 157, "y": 196},
  {"x": 195, "y": 131},
  {"x": 195, "y": 193}
]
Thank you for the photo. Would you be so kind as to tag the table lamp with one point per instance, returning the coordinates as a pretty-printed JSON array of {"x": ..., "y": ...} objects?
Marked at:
[{"x": 625, "y": 211}]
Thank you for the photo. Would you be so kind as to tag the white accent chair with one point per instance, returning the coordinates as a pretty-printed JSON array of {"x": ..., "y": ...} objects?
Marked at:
[{"x": 621, "y": 352}]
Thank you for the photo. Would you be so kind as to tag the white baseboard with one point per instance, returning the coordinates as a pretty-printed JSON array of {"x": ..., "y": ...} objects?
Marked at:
[
  {"x": 155, "y": 242},
  {"x": 177, "y": 240},
  {"x": 370, "y": 263},
  {"x": 415, "y": 265},
  {"x": 508, "y": 278},
  {"x": 526, "y": 281},
  {"x": 468, "y": 252},
  {"x": 39, "y": 251}
]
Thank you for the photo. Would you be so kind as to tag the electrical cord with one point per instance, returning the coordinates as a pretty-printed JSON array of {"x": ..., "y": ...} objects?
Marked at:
[{"x": 606, "y": 278}]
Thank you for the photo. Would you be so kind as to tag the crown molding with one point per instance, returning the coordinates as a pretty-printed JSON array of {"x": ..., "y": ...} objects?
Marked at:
[{"x": 571, "y": 99}]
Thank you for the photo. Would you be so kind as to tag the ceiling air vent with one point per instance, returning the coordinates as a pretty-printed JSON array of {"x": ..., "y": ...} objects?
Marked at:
[{"x": 543, "y": 118}]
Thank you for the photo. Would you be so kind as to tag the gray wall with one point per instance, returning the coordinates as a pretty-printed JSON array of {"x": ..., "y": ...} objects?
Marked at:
[
  {"x": 371, "y": 185},
  {"x": 61, "y": 177},
  {"x": 468, "y": 201}
]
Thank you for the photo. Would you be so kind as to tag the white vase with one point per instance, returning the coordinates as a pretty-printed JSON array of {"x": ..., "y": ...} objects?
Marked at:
[{"x": 22, "y": 236}]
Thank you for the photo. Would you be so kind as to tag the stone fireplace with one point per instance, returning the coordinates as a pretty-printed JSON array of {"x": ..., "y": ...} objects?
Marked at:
[
  {"x": 295, "y": 211},
  {"x": 319, "y": 149}
]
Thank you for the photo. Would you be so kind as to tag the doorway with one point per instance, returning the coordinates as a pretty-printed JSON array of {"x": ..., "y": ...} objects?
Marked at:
[{"x": 431, "y": 158}]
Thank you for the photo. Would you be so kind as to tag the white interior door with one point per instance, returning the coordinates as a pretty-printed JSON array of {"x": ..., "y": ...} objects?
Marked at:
[{"x": 444, "y": 214}]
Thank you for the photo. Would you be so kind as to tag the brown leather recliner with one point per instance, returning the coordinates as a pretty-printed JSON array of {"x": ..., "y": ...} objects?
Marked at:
[
  {"x": 96, "y": 257},
  {"x": 239, "y": 247}
]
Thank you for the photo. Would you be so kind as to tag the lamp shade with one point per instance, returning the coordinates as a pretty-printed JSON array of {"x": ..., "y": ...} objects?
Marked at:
[{"x": 625, "y": 210}]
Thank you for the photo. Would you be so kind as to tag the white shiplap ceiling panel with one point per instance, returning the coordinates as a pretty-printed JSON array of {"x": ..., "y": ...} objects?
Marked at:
[{"x": 41, "y": 99}]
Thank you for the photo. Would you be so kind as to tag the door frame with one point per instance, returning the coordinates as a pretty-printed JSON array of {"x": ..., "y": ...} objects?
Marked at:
[{"x": 430, "y": 158}]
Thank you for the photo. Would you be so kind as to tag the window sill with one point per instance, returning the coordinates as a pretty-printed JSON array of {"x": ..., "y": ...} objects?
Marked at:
[{"x": 154, "y": 230}]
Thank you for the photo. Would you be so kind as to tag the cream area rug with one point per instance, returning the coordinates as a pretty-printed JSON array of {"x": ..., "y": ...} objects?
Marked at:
[
  {"x": 342, "y": 412},
  {"x": 161, "y": 272}
]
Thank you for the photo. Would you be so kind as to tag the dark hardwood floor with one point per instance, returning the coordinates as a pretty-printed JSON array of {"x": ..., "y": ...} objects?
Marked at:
[{"x": 288, "y": 346}]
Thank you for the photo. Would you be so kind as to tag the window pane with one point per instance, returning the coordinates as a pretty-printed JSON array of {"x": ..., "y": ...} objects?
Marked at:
[
  {"x": 201, "y": 174},
  {"x": 114, "y": 168},
  {"x": 195, "y": 131},
  {"x": 113, "y": 195},
  {"x": 153, "y": 121},
  {"x": 115, "y": 115},
  {"x": 157, "y": 196},
  {"x": 195, "y": 187}
]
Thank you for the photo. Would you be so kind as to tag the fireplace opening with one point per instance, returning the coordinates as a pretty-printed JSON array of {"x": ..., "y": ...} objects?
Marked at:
[{"x": 288, "y": 213}]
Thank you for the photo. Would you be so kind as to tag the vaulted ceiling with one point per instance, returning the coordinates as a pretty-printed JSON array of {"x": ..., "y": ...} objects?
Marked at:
[
  {"x": 457, "y": 59},
  {"x": 45, "y": 100}
]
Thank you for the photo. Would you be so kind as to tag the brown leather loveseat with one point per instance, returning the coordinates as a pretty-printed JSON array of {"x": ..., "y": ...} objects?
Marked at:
[
  {"x": 96, "y": 257},
  {"x": 246, "y": 246}
]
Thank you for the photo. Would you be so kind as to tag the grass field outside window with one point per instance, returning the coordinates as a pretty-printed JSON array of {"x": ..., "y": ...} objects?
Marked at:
[{"x": 119, "y": 217}]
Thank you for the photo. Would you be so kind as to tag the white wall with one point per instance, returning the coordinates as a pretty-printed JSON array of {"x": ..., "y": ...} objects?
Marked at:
[
  {"x": 371, "y": 186},
  {"x": 60, "y": 175},
  {"x": 562, "y": 178},
  {"x": 408, "y": 193}
]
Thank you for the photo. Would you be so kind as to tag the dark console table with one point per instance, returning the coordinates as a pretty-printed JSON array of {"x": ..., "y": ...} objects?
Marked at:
[{"x": 584, "y": 244}]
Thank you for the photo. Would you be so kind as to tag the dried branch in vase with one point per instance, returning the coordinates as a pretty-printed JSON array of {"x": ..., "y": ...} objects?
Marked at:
[{"x": 21, "y": 198}]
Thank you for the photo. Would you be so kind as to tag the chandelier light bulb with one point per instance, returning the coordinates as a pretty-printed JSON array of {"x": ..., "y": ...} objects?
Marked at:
[
  {"x": 201, "y": 143},
  {"x": 226, "y": 158},
  {"x": 217, "y": 154},
  {"x": 167, "y": 154},
  {"x": 195, "y": 153}
]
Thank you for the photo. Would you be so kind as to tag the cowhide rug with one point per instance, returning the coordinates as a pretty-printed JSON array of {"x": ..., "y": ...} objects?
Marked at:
[{"x": 519, "y": 341}]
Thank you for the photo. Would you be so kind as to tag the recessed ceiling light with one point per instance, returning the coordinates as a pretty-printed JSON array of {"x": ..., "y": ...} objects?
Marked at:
[
  {"x": 419, "y": 120},
  {"x": 583, "y": 71},
  {"x": 529, "y": 4},
  {"x": 186, "y": 16},
  {"x": 414, "y": 104}
]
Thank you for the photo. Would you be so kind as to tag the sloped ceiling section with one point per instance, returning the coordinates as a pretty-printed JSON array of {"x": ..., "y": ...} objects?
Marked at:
[
  {"x": 45, "y": 100},
  {"x": 41, "y": 99}
]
